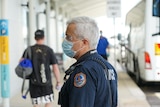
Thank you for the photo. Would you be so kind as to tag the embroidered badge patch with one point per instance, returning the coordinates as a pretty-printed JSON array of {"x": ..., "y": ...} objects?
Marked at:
[{"x": 80, "y": 80}]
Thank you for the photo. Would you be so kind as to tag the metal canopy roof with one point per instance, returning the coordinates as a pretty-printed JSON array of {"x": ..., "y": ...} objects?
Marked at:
[
  {"x": 136, "y": 14},
  {"x": 92, "y": 8}
]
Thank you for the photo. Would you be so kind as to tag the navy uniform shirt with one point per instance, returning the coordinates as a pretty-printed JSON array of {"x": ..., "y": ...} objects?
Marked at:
[{"x": 88, "y": 85}]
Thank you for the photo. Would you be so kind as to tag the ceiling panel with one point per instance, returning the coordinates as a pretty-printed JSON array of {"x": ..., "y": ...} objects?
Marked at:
[{"x": 92, "y": 8}]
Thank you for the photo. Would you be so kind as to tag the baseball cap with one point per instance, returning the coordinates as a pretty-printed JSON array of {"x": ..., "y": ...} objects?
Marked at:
[{"x": 39, "y": 33}]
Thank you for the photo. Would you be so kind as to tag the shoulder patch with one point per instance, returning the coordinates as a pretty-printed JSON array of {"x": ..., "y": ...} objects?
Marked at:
[{"x": 79, "y": 79}]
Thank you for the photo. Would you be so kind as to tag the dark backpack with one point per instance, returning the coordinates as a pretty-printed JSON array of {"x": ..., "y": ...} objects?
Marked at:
[{"x": 41, "y": 71}]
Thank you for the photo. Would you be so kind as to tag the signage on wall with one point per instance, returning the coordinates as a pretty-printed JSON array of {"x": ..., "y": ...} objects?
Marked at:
[
  {"x": 3, "y": 27},
  {"x": 113, "y": 8},
  {"x": 4, "y": 58}
]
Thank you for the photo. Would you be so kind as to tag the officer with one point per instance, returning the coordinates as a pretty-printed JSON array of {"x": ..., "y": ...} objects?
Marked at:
[{"x": 92, "y": 81}]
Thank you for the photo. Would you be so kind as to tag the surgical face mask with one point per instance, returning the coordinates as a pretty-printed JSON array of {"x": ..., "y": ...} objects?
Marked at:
[{"x": 67, "y": 48}]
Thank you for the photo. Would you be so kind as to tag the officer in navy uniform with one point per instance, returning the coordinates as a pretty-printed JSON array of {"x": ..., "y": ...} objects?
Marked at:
[{"x": 91, "y": 81}]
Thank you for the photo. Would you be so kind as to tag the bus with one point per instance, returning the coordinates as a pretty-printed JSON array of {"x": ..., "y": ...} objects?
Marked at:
[{"x": 143, "y": 48}]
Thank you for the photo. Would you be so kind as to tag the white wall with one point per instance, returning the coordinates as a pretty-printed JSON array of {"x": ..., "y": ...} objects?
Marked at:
[{"x": 16, "y": 41}]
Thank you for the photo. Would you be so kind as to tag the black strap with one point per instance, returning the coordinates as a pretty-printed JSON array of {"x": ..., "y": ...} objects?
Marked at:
[
  {"x": 29, "y": 53},
  {"x": 22, "y": 89},
  {"x": 102, "y": 64},
  {"x": 99, "y": 61},
  {"x": 69, "y": 71}
]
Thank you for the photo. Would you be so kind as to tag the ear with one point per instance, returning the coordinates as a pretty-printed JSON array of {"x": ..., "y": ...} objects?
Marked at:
[{"x": 85, "y": 42}]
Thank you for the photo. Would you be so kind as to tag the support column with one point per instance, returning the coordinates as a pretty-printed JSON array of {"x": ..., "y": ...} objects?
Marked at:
[
  {"x": 47, "y": 3},
  {"x": 0, "y": 48},
  {"x": 32, "y": 21},
  {"x": 56, "y": 25},
  {"x": 4, "y": 55},
  {"x": 0, "y": 9},
  {"x": 63, "y": 22}
]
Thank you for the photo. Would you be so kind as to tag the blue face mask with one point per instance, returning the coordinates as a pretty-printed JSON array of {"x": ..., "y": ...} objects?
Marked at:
[{"x": 67, "y": 48}]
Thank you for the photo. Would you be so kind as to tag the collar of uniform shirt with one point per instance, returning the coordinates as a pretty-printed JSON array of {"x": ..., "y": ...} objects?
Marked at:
[
  {"x": 93, "y": 51},
  {"x": 86, "y": 55}
]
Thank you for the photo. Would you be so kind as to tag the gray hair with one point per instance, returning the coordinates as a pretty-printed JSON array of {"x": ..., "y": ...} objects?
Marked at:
[{"x": 86, "y": 28}]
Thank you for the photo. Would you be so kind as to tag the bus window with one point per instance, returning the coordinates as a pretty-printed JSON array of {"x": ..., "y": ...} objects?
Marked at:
[{"x": 156, "y": 8}]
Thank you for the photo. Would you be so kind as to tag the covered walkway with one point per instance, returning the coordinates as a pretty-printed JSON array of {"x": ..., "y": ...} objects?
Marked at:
[{"x": 23, "y": 17}]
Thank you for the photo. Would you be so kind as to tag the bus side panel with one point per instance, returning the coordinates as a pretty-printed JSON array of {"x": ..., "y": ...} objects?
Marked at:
[
  {"x": 141, "y": 40},
  {"x": 152, "y": 27}
]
